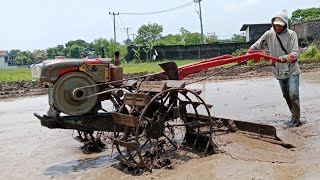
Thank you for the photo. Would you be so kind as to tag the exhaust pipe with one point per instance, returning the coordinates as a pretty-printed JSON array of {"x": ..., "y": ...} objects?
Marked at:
[{"x": 116, "y": 58}]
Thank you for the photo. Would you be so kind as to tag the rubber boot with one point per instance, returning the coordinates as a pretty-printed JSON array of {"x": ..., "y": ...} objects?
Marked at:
[{"x": 295, "y": 111}]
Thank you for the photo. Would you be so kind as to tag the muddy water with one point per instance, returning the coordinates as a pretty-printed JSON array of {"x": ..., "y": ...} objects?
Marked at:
[{"x": 29, "y": 151}]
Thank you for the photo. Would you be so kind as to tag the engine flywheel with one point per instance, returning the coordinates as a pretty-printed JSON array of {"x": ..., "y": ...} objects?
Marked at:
[{"x": 66, "y": 100}]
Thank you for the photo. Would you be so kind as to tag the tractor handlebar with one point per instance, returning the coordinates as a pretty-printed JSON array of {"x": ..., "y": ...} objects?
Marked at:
[{"x": 256, "y": 55}]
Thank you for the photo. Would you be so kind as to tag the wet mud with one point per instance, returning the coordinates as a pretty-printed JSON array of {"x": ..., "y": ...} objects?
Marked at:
[
  {"x": 9, "y": 90},
  {"x": 29, "y": 150}
]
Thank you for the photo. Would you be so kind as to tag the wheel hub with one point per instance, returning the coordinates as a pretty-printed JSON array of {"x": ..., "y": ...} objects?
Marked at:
[{"x": 70, "y": 92}]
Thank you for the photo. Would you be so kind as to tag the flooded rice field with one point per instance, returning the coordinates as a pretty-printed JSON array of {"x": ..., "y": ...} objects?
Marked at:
[{"x": 29, "y": 151}]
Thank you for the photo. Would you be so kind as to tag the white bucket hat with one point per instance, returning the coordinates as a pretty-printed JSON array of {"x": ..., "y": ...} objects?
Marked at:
[{"x": 278, "y": 21}]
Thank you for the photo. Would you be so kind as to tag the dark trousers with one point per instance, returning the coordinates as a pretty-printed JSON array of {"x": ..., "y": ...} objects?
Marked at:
[{"x": 290, "y": 91}]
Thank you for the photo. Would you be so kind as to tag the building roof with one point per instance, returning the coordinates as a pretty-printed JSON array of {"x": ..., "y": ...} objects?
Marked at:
[
  {"x": 2, "y": 52},
  {"x": 245, "y": 26}
]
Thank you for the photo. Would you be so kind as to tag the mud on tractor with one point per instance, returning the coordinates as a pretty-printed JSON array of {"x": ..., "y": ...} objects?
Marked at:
[{"x": 152, "y": 114}]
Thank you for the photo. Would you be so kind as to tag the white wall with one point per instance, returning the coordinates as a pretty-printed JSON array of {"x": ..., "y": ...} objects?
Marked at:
[
  {"x": 3, "y": 64},
  {"x": 247, "y": 34}
]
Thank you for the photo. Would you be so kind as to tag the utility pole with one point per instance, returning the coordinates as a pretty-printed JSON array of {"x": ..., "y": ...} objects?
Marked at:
[
  {"x": 127, "y": 32},
  {"x": 132, "y": 37},
  {"x": 200, "y": 16},
  {"x": 114, "y": 25}
]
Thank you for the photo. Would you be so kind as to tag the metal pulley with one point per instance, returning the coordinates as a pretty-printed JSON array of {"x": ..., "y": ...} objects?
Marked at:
[{"x": 69, "y": 99}]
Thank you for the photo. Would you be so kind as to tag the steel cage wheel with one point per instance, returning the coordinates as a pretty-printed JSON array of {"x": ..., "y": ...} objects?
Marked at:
[{"x": 153, "y": 132}]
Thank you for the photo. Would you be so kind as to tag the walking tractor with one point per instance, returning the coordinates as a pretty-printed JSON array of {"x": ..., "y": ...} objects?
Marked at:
[{"x": 151, "y": 116}]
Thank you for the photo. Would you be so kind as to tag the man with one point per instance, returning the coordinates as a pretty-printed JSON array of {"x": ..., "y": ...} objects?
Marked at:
[{"x": 283, "y": 43}]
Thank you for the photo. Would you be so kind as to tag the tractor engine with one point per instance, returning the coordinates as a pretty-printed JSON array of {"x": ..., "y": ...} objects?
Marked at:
[{"x": 74, "y": 84}]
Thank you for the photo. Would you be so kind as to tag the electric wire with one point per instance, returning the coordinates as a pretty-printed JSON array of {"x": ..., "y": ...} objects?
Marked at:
[
  {"x": 161, "y": 11},
  {"x": 196, "y": 9},
  {"x": 121, "y": 22},
  {"x": 118, "y": 26}
]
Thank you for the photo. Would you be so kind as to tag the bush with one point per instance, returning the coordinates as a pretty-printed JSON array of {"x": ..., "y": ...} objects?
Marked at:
[
  {"x": 238, "y": 51},
  {"x": 311, "y": 53}
]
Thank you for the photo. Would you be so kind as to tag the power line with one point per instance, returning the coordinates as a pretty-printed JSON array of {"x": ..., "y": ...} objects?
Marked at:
[
  {"x": 121, "y": 21},
  {"x": 162, "y": 11},
  {"x": 119, "y": 28}
]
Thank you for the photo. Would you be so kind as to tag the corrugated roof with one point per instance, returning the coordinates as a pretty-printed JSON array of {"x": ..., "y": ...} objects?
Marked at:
[{"x": 245, "y": 26}]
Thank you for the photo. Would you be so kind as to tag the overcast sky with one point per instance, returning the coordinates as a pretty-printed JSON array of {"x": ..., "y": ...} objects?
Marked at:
[{"x": 40, "y": 24}]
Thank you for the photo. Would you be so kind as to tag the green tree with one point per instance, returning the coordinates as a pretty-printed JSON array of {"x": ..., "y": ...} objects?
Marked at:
[
  {"x": 301, "y": 15},
  {"x": 74, "y": 51},
  {"x": 189, "y": 38},
  {"x": 238, "y": 38},
  {"x": 170, "y": 39},
  {"x": 100, "y": 46},
  {"x": 79, "y": 43},
  {"x": 23, "y": 58},
  {"x": 75, "y": 47},
  {"x": 14, "y": 51},
  {"x": 113, "y": 47},
  {"x": 148, "y": 33},
  {"x": 211, "y": 38},
  {"x": 51, "y": 53},
  {"x": 56, "y": 51},
  {"x": 39, "y": 55}
]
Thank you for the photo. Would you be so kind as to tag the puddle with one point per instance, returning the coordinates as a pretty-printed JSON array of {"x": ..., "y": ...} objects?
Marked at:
[{"x": 80, "y": 165}]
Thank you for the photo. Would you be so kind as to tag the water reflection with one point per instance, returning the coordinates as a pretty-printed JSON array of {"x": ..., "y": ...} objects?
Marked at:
[{"x": 80, "y": 165}]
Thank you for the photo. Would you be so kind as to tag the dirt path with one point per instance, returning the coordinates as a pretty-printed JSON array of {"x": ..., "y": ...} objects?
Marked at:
[{"x": 28, "y": 88}]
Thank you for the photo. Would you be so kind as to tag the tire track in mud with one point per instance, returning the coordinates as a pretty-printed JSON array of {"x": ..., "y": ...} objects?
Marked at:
[{"x": 243, "y": 148}]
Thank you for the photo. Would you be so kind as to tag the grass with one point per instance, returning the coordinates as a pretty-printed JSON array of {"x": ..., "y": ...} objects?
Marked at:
[
  {"x": 311, "y": 53},
  {"x": 150, "y": 66},
  {"x": 15, "y": 74},
  {"x": 19, "y": 74}
]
